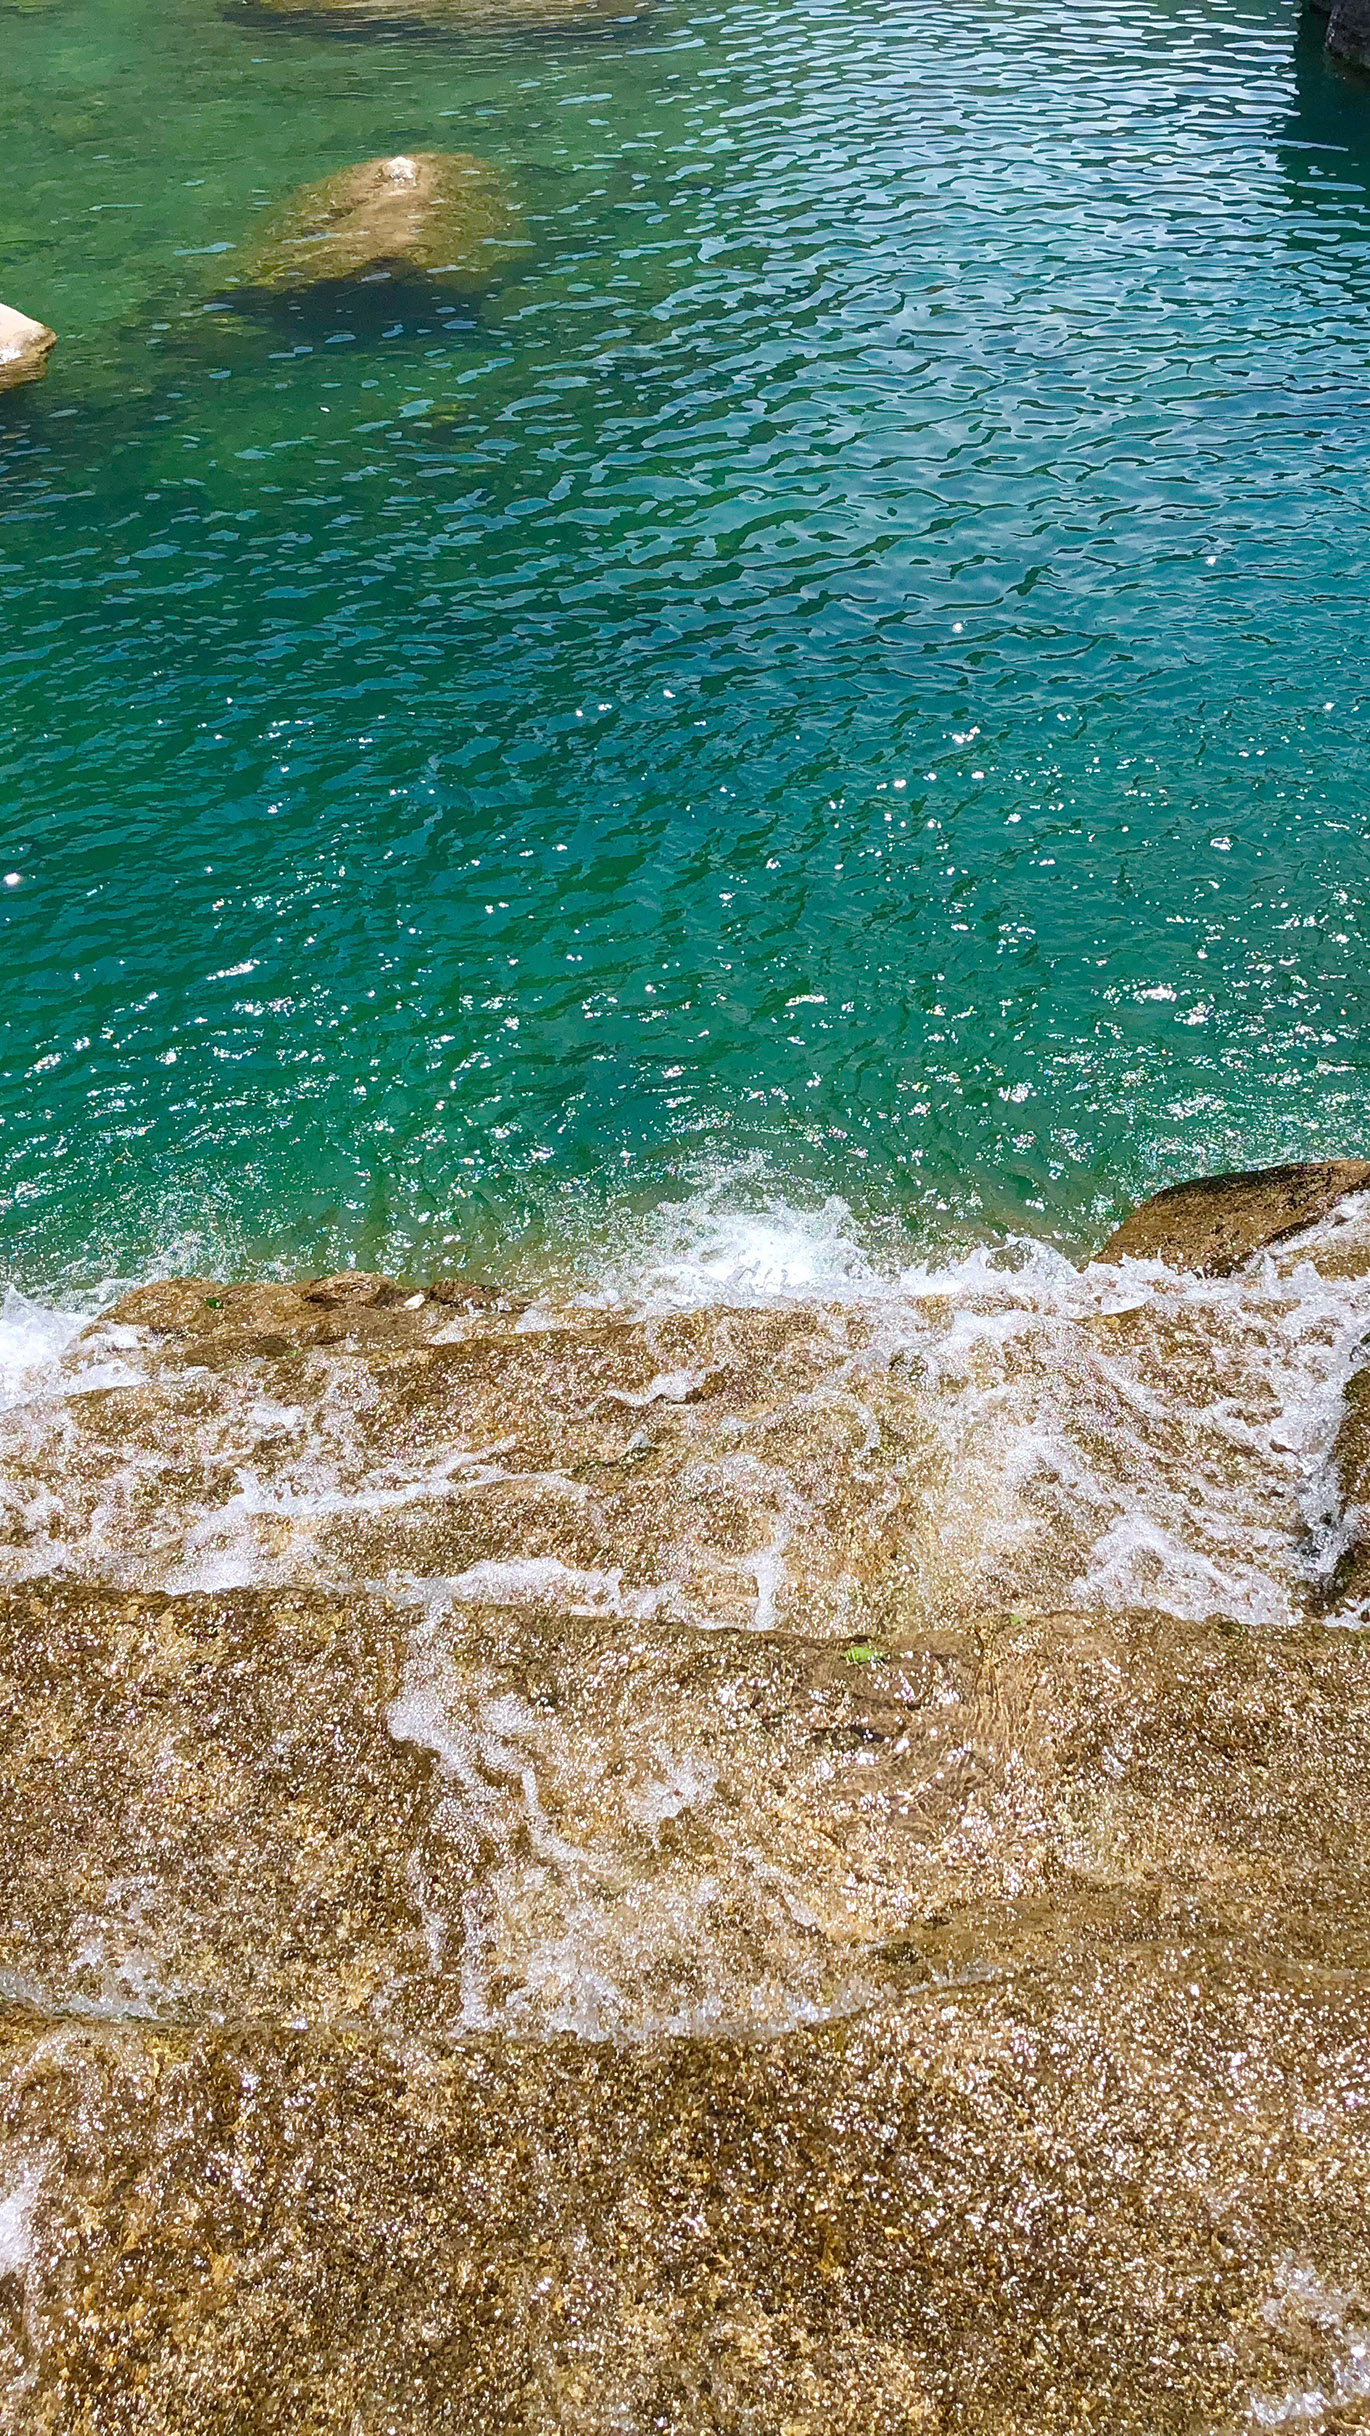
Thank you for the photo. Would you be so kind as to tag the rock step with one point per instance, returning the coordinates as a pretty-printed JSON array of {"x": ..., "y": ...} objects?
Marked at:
[
  {"x": 1126, "y": 2190},
  {"x": 997, "y": 1434},
  {"x": 266, "y": 1808}
]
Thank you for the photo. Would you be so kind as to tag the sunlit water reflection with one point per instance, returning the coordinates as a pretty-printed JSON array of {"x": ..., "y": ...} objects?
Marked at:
[{"x": 851, "y": 655}]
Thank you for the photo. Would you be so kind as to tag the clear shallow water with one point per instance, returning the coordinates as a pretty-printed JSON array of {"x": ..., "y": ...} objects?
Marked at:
[{"x": 851, "y": 662}]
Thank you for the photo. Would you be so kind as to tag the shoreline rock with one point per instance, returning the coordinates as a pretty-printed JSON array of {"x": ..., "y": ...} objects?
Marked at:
[
  {"x": 1214, "y": 1224},
  {"x": 355, "y": 1306},
  {"x": 267, "y": 2159},
  {"x": 1348, "y": 32},
  {"x": 1347, "y": 38},
  {"x": 25, "y": 346}
]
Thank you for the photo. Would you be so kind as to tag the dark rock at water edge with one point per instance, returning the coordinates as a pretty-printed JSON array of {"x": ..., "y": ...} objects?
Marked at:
[
  {"x": 1212, "y": 1224},
  {"x": 1348, "y": 32},
  {"x": 1348, "y": 29}
]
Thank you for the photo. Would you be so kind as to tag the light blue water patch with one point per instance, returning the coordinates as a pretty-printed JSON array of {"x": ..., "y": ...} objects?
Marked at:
[{"x": 851, "y": 660}]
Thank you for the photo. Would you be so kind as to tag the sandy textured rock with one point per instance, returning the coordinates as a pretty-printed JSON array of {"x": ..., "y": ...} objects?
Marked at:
[
  {"x": 25, "y": 346},
  {"x": 1126, "y": 2190},
  {"x": 1086, "y": 2146},
  {"x": 1214, "y": 1223},
  {"x": 444, "y": 216},
  {"x": 1348, "y": 32},
  {"x": 279, "y": 1807}
]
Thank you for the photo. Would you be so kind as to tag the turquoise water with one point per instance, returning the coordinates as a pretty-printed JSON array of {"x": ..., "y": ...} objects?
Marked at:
[{"x": 848, "y": 671}]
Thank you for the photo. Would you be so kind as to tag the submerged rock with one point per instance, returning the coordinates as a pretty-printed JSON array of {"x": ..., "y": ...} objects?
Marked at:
[
  {"x": 354, "y": 1307},
  {"x": 1213, "y": 1224},
  {"x": 481, "y": 17},
  {"x": 25, "y": 346},
  {"x": 1348, "y": 32},
  {"x": 443, "y": 216}
]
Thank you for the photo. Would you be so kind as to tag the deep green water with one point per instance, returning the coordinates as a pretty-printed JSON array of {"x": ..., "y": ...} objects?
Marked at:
[{"x": 853, "y": 661}]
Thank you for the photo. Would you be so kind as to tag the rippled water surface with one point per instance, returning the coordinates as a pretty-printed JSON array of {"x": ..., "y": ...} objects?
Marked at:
[{"x": 851, "y": 660}]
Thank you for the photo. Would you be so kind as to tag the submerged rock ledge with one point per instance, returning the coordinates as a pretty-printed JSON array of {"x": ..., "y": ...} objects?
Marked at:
[{"x": 728, "y": 1869}]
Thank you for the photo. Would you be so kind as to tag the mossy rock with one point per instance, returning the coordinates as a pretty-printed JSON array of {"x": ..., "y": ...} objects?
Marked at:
[{"x": 443, "y": 216}]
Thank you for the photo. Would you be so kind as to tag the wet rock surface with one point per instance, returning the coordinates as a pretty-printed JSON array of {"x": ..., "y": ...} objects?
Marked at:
[
  {"x": 739, "y": 1869},
  {"x": 442, "y": 216},
  {"x": 1215, "y": 1223},
  {"x": 1124, "y": 2189},
  {"x": 25, "y": 346},
  {"x": 270, "y": 1807},
  {"x": 1348, "y": 1579},
  {"x": 1348, "y": 32}
]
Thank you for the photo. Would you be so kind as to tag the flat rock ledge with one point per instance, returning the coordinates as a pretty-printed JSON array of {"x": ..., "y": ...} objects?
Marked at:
[
  {"x": 1089, "y": 2152},
  {"x": 354, "y": 1306},
  {"x": 25, "y": 346},
  {"x": 1214, "y": 1224}
]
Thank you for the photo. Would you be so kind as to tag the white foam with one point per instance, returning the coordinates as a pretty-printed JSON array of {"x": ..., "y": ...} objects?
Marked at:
[
  {"x": 579, "y": 1932},
  {"x": 740, "y": 1240},
  {"x": 18, "y": 2209},
  {"x": 33, "y": 1340},
  {"x": 528, "y": 1581}
]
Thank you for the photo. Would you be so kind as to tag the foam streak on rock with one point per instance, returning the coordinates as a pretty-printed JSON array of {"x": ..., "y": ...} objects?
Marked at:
[{"x": 778, "y": 1845}]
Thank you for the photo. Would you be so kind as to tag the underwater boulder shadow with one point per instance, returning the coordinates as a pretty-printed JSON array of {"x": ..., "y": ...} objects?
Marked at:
[{"x": 367, "y": 308}]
